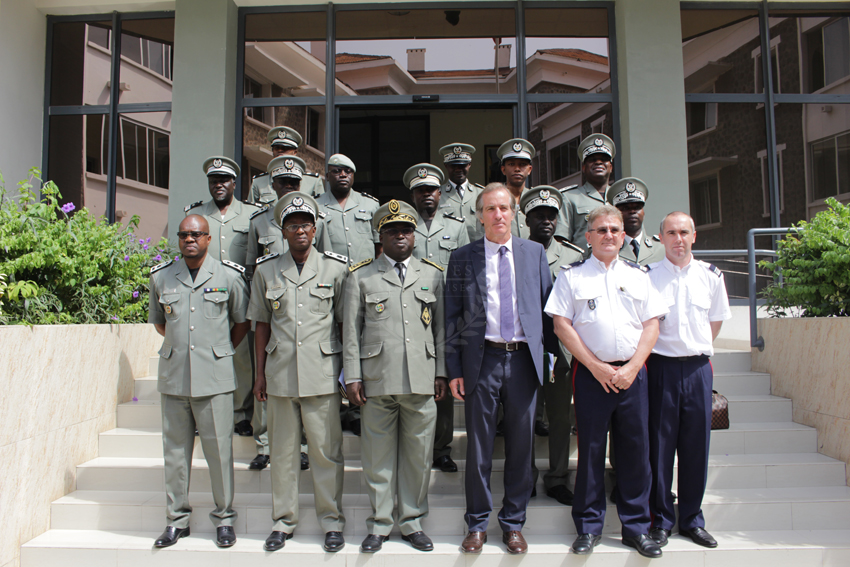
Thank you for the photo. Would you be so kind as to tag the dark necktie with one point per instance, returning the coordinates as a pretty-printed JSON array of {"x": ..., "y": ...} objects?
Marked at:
[
  {"x": 459, "y": 190},
  {"x": 636, "y": 247},
  {"x": 506, "y": 311},
  {"x": 399, "y": 268}
]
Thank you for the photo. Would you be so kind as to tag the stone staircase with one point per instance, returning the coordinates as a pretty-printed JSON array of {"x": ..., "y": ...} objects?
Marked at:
[{"x": 772, "y": 499}]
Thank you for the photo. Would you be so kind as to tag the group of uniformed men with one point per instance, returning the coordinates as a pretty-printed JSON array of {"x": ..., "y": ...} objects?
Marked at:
[{"x": 346, "y": 299}]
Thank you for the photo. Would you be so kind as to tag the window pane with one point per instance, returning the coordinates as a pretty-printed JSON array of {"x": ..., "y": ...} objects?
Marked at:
[
  {"x": 80, "y": 63},
  {"x": 146, "y": 65},
  {"x": 469, "y": 51},
  {"x": 718, "y": 51},
  {"x": 74, "y": 162},
  {"x": 566, "y": 50},
  {"x": 144, "y": 192},
  {"x": 285, "y": 53},
  {"x": 128, "y": 139},
  {"x": 556, "y": 129},
  {"x": 836, "y": 41}
]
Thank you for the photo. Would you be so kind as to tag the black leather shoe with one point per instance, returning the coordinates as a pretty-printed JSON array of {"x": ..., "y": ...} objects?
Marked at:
[
  {"x": 445, "y": 464},
  {"x": 354, "y": 426},
  {"x": 419, "y": 541},
  {"x": 244, "y": 429},
  {"x": 333, "y": 542},
  {"x": 562, "y": 494},
  {"x": 659, "y": 536},
  {"x": 584, "y": 544},
  {"x": 614, "y": 494},
  {"x": 170, "y": 536},
  {"x": 373, "y": 543},
  {"x": 276, "y": 540},
  {"x": 305, "y": 462},
  {"x": 259, "y": 463},
  {"x": 541, "y": 429},
  {"x": 699, "y": 537},
  {"x": 500, "y": 429},
  {"x": 225, "y": 536},
  {"x": 533, "y": 491},
  {"x": 644, "y": 545}
]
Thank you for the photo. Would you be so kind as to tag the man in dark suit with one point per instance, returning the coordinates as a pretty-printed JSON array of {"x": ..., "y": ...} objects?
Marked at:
[{"x": 496, "y": 288}]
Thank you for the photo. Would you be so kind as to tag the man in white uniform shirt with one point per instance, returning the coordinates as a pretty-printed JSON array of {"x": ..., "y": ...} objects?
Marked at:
[
  {"x": 680, "y": 380},
  {"x": 606, "y": 314}
]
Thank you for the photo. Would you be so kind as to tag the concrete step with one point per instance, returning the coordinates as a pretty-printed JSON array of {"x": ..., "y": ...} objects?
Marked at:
[
  {"x": 731, "y": 360},
  {"x": 85, "y": 548},
  {"x": 823, "y": 508},
  {"x": 725, "y": 471},
  {"x": 742, "y": 383}
]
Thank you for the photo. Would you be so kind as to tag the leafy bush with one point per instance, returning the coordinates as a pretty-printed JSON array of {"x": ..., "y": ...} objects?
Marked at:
[
  {"x": 67, "y": 268},
  {"x": 815, "y": 267}
]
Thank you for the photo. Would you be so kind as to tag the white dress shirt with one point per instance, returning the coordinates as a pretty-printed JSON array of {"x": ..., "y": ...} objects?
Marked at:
[
  {"x": 696, "y": 296},
  {"x": 392, "y": 263},
  {"x": 493, "y": 331},
  {"x": 607, "y": 306}
]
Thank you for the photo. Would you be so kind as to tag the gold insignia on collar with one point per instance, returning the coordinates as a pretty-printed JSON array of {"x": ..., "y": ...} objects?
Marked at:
[{"x": 426, "y": 316}]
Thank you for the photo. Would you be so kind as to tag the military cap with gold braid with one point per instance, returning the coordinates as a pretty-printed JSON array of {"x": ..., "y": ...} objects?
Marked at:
[
  {"x": 287, "y": 166},
  {"x": 457, "y": 153},
  {"x": 294, "y": 202},
  {"x": 596, "y": 144},
  {"x": 516, "y": 148},
  {"x": 220, "y": 165},
  {"x": 393, "y": 211},
  {"x": 541, "y": 196},
  {"x": 423, "y": 174},
  {"x": 284, "y": 136},
  {"x": 627, "y": 190}
]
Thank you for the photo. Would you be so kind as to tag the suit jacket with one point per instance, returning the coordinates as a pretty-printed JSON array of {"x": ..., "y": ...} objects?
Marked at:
[{"x": 466, "y": 307}]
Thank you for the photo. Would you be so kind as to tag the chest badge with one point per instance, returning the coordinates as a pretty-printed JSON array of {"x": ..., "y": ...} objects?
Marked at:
[
  {"x": 591, "y": 304},
  {"x": 168, "y": 309},
  {"x": 379, "y": 308},
  {"x": 426, "y": 315},
  {"x": 276, "y": 305}
]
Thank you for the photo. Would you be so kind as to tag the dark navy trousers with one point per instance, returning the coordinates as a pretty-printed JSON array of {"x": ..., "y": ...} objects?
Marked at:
[
  {"x": 679, "y": 422},
  {"x": 627, "y": 412},
  {"x": 508, "y": 378}
]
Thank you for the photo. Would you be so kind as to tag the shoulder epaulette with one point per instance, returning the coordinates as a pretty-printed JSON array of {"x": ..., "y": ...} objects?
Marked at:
[
  {"x": 258, "y": 205},
  {"x": 260, "y": 175},
  {"x": 573, "y": 265},
  {"x": 158, "y": 267},
  {"x": 260, "y": 211},
  {"x": 478, "y": 185},
  {"x": 439, "y": 267},
  {"x": 570, "y": 245},
  {"x": 322, "y": 214},
  {"x": 188, "y": 208},
  {"x": 234, "y": 265},
  {"x": 335, "y": 256},
  {"x": 453, "y": 217},
  {"x": 570, "y": 188},
  {"x": 370, "y": 197},
  {"x": 655, "y": 238},
  {"x": 312, "y": 174},
  {"x": 262, "y": 259},
  {"x": 359, "y": 265},
  {"x": 635, "y": 265},
  {"x": 717, "y": 272}
]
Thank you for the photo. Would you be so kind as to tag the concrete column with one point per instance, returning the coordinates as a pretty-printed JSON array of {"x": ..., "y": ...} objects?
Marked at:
[
  {"x": 203, "y": 97},
  {"x": 653, "y": 133}
]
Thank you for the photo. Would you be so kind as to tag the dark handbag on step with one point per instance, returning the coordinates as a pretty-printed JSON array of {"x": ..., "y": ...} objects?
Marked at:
[{"x": 719, "y": 411}]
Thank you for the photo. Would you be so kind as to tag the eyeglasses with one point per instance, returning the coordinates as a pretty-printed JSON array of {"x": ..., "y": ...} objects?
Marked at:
[
  {"x": 195, "y": 235},
  {"x": 603, "y": 231},
  {"x": 293, "y": 228},
  {"x": 338, "y": 170},
  {"x": 393, "y": 232}
]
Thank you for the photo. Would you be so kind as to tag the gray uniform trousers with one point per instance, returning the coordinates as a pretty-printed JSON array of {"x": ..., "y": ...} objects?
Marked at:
[
  {"x": 320, "y": 417},
  {"x": 213, "y": 417},
  {"x": 397, "y": 443}
]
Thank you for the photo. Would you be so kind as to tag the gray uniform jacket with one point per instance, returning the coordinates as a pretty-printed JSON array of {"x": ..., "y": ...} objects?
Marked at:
[
  {"x": 266, "y": 237},
  {"x": 262, "y": 192},
  {"x": 561, "y": 254},
  {"x": 229, "y": 234},
  {"x": 349, "y": 229},
  {"x": 463, "y": 208},
  {"x": 437, "y": 242},
  {"x": 578, "y": 202},
  {"x": 393, "y": 335},
  {"x": 196, "y": 358},
  {"x": 651, "y": 250},
  {"x": 304, "y": 352}
]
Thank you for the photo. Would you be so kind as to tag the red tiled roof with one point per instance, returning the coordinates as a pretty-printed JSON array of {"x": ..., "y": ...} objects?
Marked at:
[
  {"x": 577, "y": 54},
  {"x": 459, "y": 73},
  {"x": 343, "y": 58}
]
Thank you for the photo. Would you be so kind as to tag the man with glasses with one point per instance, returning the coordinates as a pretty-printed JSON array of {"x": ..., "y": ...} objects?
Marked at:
[
  {"x": 394, "y": 365},
  {"x": 457, "y": 194},
  {"x": 284, "y": 142},
  {"x": 606, "y": 314},
  {"x": 596, "y": 155},
  {"x": 296, "y": 303},
  {"x": 229, "y": 220},
  {"x": 198, "y": 304},
  {"x": 437, "y": 236}
]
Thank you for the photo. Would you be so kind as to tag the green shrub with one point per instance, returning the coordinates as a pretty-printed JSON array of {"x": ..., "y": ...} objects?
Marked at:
[
  {"x": 65, "y": 268},
  {"x": 815, "y": 267}
]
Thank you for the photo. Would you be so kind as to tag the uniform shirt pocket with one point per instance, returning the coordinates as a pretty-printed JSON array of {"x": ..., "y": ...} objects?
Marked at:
[
  {"x": 321, "y": 299},
  {"x": 170, "y": 305},
  {"x": 223, "y": 366},
  {"x": 331, "y": 351},
  {"x": 215, "y": 304},
  {"x": 701, "y": 303},
  {"x": 376, "y": 305},
  {"x": 240, "y": 236},
  {"x": 446, "y": 248},
  {"x": 275, "y": 300},
  {"x": 588, "y": 301},
  {"x": 266, "y": 243},
  {"x": 363, "y": 222}
]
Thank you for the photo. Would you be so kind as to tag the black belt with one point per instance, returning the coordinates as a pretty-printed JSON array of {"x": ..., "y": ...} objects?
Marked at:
[
  {"x": 618, "y": 363},
  {"x": 685, "y": 358},
  {"x": 510, "y": 347}
]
